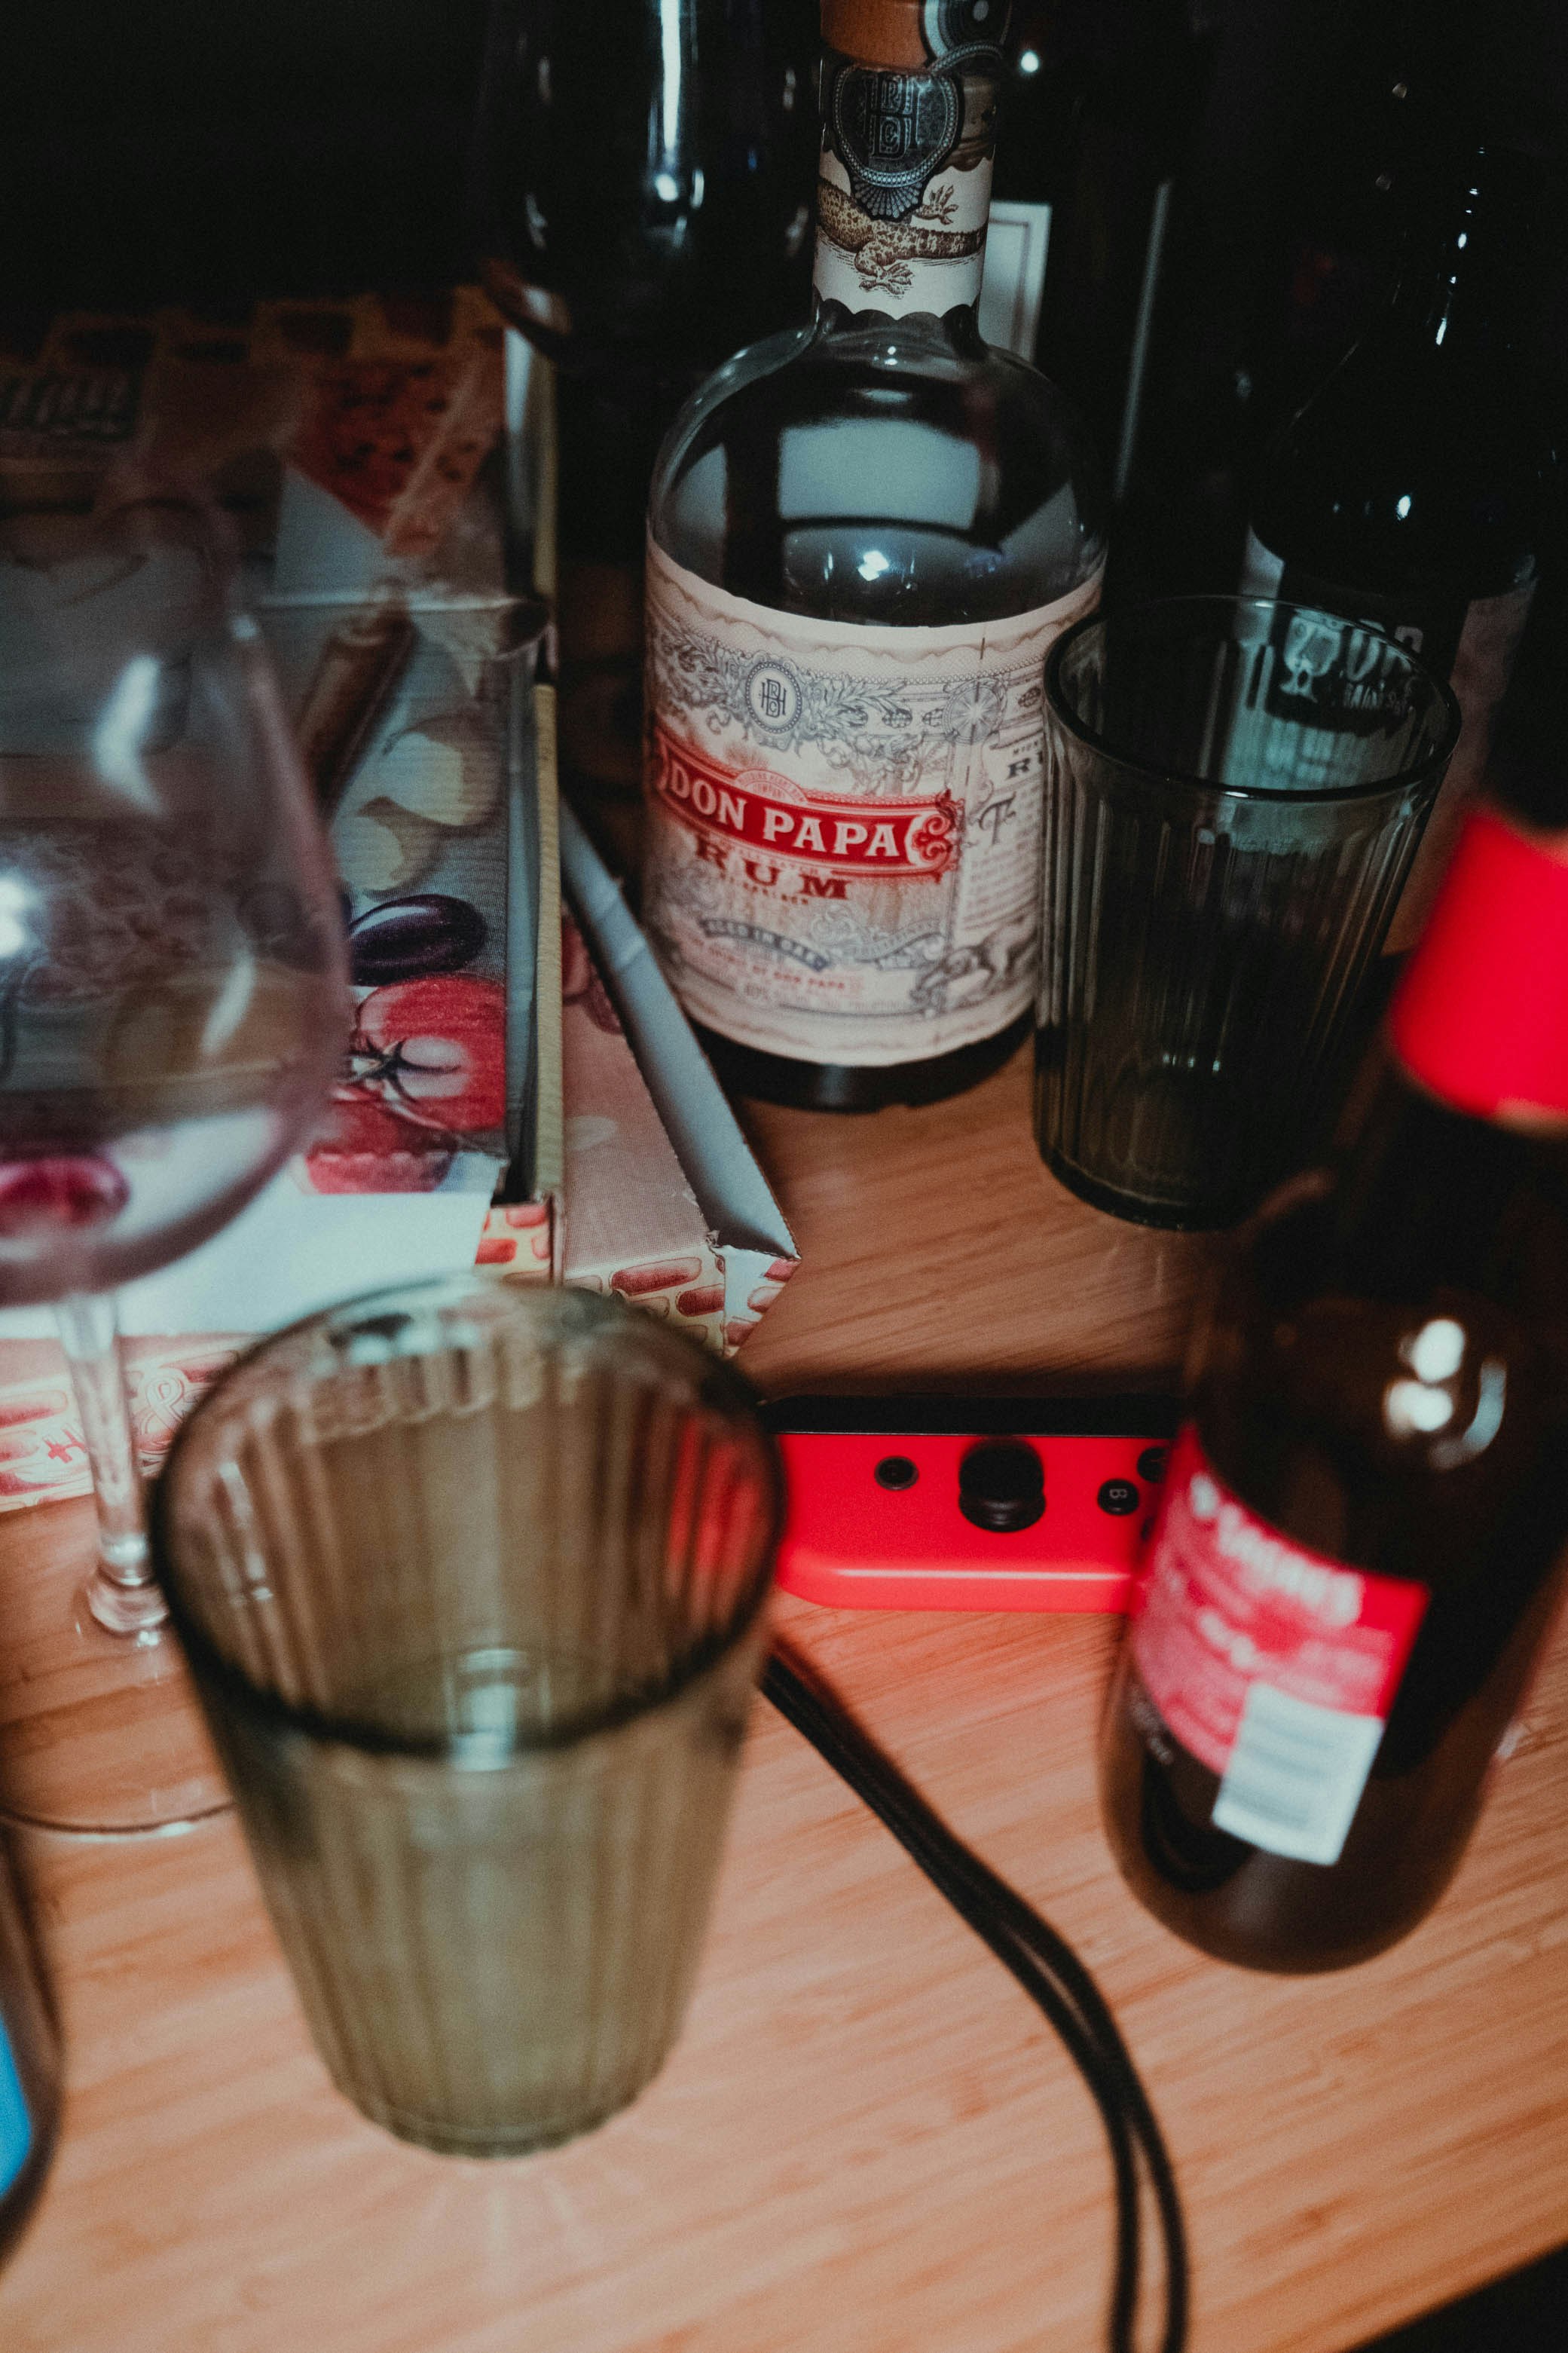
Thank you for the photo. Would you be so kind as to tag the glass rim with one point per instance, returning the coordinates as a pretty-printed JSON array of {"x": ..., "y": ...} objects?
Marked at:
[
  {"x": 730, "y": 1388},
  {"x": 1311, "y": 796}
]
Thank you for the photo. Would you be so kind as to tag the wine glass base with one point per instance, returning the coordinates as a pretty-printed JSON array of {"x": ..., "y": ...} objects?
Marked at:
[{"x": 101, "y": 1734}]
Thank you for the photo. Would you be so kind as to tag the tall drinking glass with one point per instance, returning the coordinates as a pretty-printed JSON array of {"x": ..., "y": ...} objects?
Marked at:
[
  {"x": 473, "y": 1582},
  {"x": 172, "y": 1010},
  {"x": 1235, "y": 793}
]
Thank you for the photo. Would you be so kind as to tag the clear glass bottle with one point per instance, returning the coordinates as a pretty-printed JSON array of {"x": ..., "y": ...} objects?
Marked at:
[{"x": 863, "y": 536}]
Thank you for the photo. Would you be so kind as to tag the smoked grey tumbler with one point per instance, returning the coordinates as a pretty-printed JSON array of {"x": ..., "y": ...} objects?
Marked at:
[
  {"x": 472, "y": 1579},
  {"x": 1234, "y": 792}
]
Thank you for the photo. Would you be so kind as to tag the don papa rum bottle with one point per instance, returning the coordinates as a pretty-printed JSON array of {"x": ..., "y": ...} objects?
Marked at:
[{"x": 864, "y": 536}]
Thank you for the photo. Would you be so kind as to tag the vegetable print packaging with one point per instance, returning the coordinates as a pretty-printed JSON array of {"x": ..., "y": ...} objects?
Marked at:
[{"x": 355, "y": 448}]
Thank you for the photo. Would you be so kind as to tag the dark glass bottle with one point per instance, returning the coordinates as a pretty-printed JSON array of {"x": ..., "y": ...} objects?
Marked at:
[
  {"x": 29, "y": 2078},
  {"x": 1046, "y": 89},
  {"x": 863, "y": 535},
  {"x": 1361, "y": 1540},
  {"x": 643, "y": 187},
  {"x": 1097, "y": 110},
  {"x": 643, "y": 179},
  {"x": 1412, "y": 487}
]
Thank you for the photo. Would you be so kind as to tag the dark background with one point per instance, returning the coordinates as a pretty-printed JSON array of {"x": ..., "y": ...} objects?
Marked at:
[
  {"x": 178, "y": 150},
  {"x": 157, "y": 150}
]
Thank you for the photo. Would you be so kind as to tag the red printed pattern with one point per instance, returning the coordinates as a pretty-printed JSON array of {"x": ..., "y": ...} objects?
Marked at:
[
  {"x": 893, "y": 841},
  {"x": 42, "y": 1456},
  {"x": 1482, "y": 1016},
  {"x": 1227, "y": 1601}
]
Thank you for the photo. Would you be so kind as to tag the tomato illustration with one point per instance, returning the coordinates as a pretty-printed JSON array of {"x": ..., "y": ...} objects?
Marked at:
[
  {"x": 435, "y": 1051},
  {"x": 370, "y": 1149}
]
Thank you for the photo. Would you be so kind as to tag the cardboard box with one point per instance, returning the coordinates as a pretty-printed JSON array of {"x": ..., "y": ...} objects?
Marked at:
[
  {"x": 358, "y": 450},
  {"x": 698, "y": 1241},
  {"x": 410, "y": 670}
]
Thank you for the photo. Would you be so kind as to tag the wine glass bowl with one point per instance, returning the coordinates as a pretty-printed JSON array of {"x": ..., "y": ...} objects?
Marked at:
[{"x": 172, "y": 1002}]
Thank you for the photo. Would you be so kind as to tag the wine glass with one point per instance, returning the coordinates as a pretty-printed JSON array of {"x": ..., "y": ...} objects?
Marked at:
[
  {"x": 687, "y": 236},
  {"x": 171, "y": 1011}
]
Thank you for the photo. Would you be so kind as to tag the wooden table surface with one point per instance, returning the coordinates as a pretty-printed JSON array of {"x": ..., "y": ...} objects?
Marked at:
[{"x": 868, "y": 2141}]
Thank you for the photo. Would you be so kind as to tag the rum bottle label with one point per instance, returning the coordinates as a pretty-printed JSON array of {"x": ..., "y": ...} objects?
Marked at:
[{"x": 842, "y": 861}]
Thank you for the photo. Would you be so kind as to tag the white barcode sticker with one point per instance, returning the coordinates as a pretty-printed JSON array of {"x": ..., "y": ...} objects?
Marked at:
[{"x": 1294, "y": 1775}]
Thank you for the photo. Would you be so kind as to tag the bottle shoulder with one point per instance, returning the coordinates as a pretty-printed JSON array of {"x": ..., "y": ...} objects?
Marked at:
[
  {"x": 876, "y": 469},
  {"x": 1389, "y": 1343},
  {"x": 1403, "y": 468}
]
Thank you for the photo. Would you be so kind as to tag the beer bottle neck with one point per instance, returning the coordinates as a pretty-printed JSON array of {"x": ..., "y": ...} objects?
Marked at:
[
  {"x": 1461, "y": 286},
  {"x": 1480, "y": 1017}
]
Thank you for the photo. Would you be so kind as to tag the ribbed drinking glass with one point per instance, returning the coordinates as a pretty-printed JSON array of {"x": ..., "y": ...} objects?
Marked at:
[
  {"x": 1236, "y": 790},
  {"x": 472, "y": 1581}
]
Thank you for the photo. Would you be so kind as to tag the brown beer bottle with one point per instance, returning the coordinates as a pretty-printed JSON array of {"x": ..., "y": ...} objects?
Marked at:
[{"x": 1360, "y": 1539}]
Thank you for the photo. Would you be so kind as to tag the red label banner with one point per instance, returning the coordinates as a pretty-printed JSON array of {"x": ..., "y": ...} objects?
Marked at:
[
  {"x": 890, "y": 842},
  {"x": 1227, "y": 1601},
  {"x": 1481, "y": 1015}
]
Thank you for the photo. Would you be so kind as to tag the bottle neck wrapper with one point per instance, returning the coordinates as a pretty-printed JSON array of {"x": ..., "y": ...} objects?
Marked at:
[{"x": 1480, "y": 1017}]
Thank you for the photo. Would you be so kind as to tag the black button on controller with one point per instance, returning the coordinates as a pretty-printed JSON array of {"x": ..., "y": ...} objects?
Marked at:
[
  {"x": 1001, "y": 1485},
  {"x": 1119, "y": 1496},
  {"x": 897, "y": 1471},
  {"x": 1151, "y": 1463}
]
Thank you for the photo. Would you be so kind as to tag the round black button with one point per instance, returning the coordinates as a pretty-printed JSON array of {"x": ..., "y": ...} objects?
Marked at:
[
  {"x": 1001, "y": 1485},
  {"x": 1151, "y": 1463},
  {"x": 896, "y": 1471},
  {"x": 1119, "y": 1496}
]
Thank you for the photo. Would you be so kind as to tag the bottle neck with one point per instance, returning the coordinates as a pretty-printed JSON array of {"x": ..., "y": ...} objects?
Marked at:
[
  {"x": 1459, "y": 291},
  {"x": 1462, "y": 1149},
  {"x": 908, "y": 136}
]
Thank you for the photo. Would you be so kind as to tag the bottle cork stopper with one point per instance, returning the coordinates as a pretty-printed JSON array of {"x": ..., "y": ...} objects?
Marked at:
[
  {"x": 877, "y": 32},
  {"x": 910, "y": 34}
]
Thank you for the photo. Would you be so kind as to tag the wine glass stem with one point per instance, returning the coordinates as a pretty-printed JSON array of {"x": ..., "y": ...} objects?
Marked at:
[{"x": 121, "y": 1593}]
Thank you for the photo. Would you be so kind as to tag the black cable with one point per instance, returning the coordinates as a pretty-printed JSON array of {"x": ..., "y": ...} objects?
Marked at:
[
  {"x": 822, "y": 1720},
  {"x": 999, "y": 1916},
  {"x": 1042, "y": 1963}
]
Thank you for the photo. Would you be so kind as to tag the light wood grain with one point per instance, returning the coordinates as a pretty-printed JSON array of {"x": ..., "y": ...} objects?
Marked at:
[
  {"x": 935, "y": 1245},
  {"x": 866, "y": 2141}
]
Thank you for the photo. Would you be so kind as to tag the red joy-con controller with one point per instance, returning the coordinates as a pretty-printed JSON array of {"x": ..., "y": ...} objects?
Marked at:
[{"x": 968, "y": 1502}]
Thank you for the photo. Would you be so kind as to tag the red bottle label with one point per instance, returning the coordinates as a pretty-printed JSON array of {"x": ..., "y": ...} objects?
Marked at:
[
  {"x": 897, "y": 841},
  {"x": 1480, "y": 1018},
  {"x": 1275, "y": 1665}
]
